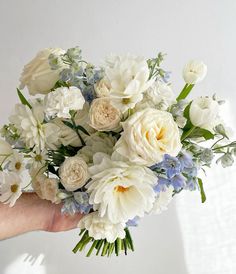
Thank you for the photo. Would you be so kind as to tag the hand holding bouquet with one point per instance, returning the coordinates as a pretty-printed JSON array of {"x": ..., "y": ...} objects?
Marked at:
[{"x": 112, "y": 143}]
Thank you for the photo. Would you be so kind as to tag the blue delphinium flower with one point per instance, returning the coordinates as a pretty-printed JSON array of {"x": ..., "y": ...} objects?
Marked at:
[
  {"x": 171, "y": 165},
  {"x": 191, "y": 184},
  {"x": 89, "y": 94},
  {"x": 185, "y": 159},
  {"x": 79, "y": 203},
  {"x": 178, "y": 182},
  {"x": 133, "y": 222},
  {"x": 162, "y": 184}
]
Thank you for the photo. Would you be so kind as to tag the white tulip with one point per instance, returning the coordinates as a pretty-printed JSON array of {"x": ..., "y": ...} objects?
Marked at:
[
  {"x": 194, "y": 72},
  {"x": 204, "y": 113},
  {"x": 37, "y": 75}
]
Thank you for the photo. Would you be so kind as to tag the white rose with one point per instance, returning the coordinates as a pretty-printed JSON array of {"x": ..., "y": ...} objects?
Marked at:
[
  {"x": 60, "y": 101},
  {"x": 38, "y": 75},
  {"x": 102, "y": 88},
  {"x": 120, "y": 191},
  {"x": 128, "y": 79},
  {"x": 102, "y": 228},
  {"x": 147, "y": 136},
  {"x": 46, "y": 188},
  {"x": 73, "y": 173},
  {"x": 204, "y": 112},
  {"x": 103, "y": 115},
  {"x": 5, "y": 151},
  {"x": 194, "y": 72}
]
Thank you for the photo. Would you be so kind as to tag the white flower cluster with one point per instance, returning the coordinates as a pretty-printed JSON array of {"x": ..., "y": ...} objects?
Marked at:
[{"x": 112, "y": 143}]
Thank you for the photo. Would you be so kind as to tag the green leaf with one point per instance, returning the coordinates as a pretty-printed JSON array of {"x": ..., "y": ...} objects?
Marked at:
[
  {"x": 23, "y": 99},
  {"x": 201, "y": 132},
  {"x": 68, "y": 124},
  {"x": 203, "y": 195}
]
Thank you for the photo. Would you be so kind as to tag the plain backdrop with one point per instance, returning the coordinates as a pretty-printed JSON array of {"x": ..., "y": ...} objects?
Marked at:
[{"x": 190, "y": 237}]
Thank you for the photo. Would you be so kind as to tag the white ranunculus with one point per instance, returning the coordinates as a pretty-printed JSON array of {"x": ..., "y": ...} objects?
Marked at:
[
  {"x": 194, "y": 72},
  {"x": 38, "y": 75},
  {"x": 31, "y": 127},
  {"x": 148, "y": 135},
  {"x": 46, "y": 188},
  {"x": 102, "y": 88},
  {"x": 162, "y": 201},
  {"x": 128, "y": 79},
  {"x": 5, "y": 151},
  {"x": 103, "y": 115},
  {"x": 204, "y": 113},
  {"x": 120, "y": 191},
  {"x": 73, "y": 173},
  {"x": 101, "y": 228},
  {"x": 160, "y": 94},
  {"x": 60, "y": 101},
  {"x": 97, "y": 142},
  {"x": 10, "y": 187}
]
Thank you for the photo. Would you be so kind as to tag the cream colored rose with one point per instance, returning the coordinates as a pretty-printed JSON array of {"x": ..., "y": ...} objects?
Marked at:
[
  {"x": 46, "y": 188},
  {"x": 73, "y": 173},
  {"x": 37, "y": 75},
  {"x": 102, "y": 88},
  {"x": 103, "y": 115},
  {"x": 148, "y": 135}
]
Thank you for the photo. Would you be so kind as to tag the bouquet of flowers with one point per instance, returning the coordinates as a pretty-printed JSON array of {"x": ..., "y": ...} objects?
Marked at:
[{"x": 112, "y": 143}]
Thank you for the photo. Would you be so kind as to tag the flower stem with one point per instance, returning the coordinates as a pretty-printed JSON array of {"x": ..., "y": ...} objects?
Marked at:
[{"x": 185, "y": 92}]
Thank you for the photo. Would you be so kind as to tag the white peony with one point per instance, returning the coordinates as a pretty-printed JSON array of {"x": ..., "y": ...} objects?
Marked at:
[
  {"x": 162, "y": 201},
  {"x": 73, "y": 173},
  {"x": 97, "y": 142},
  {"x": 38, "y": 75},
  {"x": 60, "y": 101},
  {"x": 194, "y": 72},
  {"x": 5, "y": 151},
  {"x": 101, "y": 228},
  {"x": 46, "y": 188},
  {"x": 10, "y": 187},
  {"x": 128, "y": 79},
  {"x": 147, "y": 136},
  {"x": 204, "y": 113},
  {"x": 102, "y": 88},
  {"x": 103, "y": 115},
  {"x": 31, "y": 127},
  {"x": 120, "y": 191}
]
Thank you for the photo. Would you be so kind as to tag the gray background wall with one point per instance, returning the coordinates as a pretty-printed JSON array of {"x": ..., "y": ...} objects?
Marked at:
[{"x": 190, "y": 237}]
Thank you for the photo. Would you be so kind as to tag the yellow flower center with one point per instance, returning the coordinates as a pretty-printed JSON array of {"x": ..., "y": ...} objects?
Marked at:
[
  {"x": 38, "y": 158},
  {"x": 14, "y": 188},
  {"x": 18, "y": 165},
  {"x": 121, "y": 189},
  {"x": 126, "y": 101}
]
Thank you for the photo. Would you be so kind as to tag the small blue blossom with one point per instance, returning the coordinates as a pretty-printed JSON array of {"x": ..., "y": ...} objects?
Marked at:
[
  {"x": 89, "y": 94},
  {"x": 133, "y": 222},
  {"x": 191, "y": 184},
  {"x": 185, "y": 159},
  {"x": 163, "y": 183},
  {"x": 171, "y": 165},
  {"x": 178, "y": 182}
]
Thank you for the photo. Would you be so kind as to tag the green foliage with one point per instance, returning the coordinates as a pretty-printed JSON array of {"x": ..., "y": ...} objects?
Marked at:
[
  {"x": 203, "y": 195},
  {"x": 23, "y": 99}
]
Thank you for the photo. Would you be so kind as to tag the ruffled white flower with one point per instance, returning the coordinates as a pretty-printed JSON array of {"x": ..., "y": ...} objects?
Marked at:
[
  {"x": 5, "y": 151},
  {"x": 120, "y": 191},
  {"x": 160, "y": 95},
  {"x": 128, "y": 79},
  {"x": 147, "y": 136},
  {"x": 194, "y": 72},
  {"x": 38, "y": 75},
  {"x": 16, "y": 163},
  {"x": 97, "y": 142},
  {"x": 101, "y": 228},
  {"x": 162, "y": 201},
  {"x": 46, "y": 188},
  {"x": 73, "y": 173},
  {"x": 31, "y": 127},
  {"x": 103, "y": 115},
  {"x": 204, "y": 113},
  {"x": 10, "y": 187},
  {"x": 62, "y": 100}
]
